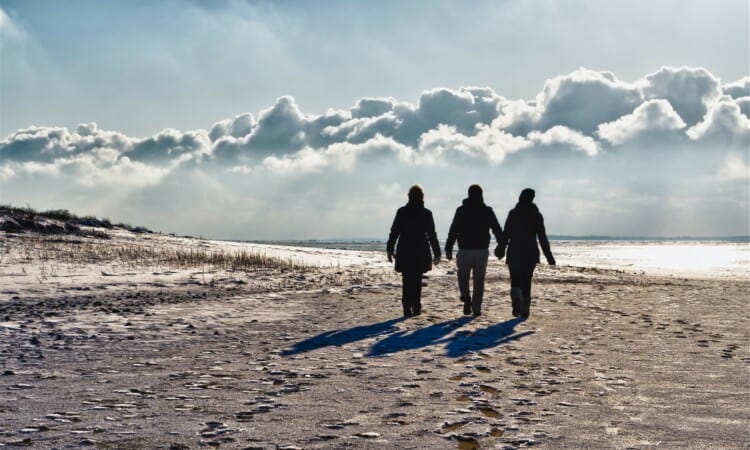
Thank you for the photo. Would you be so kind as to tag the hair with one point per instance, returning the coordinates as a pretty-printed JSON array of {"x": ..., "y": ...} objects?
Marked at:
[
  {"x": 416, "y": 194},
  {"x": 527, "y": 196},
  {"x": 475, "y": 191}
]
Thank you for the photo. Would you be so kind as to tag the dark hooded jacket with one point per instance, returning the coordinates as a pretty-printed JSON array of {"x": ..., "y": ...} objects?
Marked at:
[
  {"x": 522, "y": 227},
  {"x": 414, "y": 229},
  {"x": 471, "y": 226}
]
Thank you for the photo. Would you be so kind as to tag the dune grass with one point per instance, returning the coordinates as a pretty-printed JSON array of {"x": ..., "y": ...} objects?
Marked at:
[{"x": 145, "y": 255}]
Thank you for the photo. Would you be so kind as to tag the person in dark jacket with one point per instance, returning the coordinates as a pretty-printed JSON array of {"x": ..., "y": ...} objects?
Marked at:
[
  {"x": 522, "y": 228},
  {"x": 414, "y": 229},
  {"x": 471, "y": 226}
]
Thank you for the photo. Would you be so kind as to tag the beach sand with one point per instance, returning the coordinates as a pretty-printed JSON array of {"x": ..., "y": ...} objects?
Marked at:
[{"x": 111, "y": 355}]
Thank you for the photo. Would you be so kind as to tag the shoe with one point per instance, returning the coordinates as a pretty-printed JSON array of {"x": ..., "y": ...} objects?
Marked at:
[
  {"x": 516, "y": 298},
  {"x": 526, "y": 310},
  {"x": 467, "y": 309}
]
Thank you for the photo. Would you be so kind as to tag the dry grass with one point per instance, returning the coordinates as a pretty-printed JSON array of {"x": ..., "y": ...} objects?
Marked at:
[{"x": 143, "y": 256}]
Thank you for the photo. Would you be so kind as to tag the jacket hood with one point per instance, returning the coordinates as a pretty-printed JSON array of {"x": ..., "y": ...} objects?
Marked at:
[
  {"x": 473, "y": 202},
  {"x": 526, "y": 207}
]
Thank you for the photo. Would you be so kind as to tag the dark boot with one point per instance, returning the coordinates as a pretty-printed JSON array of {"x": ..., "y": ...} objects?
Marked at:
[
  {"x": 467, "y": 305},
  {"x": 407, "y": 310},
  {"x": 516, "y": 298},
  {"x": 526, "y": 308}
]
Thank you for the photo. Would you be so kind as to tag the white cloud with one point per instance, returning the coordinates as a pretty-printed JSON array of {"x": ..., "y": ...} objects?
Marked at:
[
  {"x": 6, "y": 173},
  {"x": 739, "y": 88},
  {"x": 578, "y": 112},
  {"x": 734, "y": 168},
  {"x": 564, "y": 136},
  {"x": 9, "y": 31},
  {"x": 488, "y": 144},
  {"x": 651, "y": 116},
  {"x": 724, "y": 122},
  {"x": 689, "y": 90},
  {"x": 580, "y": 100}
]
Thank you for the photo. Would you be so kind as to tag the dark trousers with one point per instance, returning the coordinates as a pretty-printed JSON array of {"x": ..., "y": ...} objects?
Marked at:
[
  {"x": 520, "y": 277},
  {"x": 412, "y": 293}
]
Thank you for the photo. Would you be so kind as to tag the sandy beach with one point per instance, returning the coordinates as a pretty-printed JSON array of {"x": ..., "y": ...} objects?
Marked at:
[{"x": 314, "y": 353}]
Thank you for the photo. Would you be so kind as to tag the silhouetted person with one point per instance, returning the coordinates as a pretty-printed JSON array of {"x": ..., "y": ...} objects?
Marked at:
[
  {"x": 471, "y": 226},
  {"x": 522, "y": 227},
  {"x": 414, "y": 229}
]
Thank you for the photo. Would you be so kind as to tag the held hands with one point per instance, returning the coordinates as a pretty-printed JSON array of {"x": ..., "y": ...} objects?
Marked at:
[{"x": 500, "y": 251}]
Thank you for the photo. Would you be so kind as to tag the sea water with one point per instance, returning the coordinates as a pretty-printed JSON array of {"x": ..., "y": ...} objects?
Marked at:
[{"x": 715, "y": 258}]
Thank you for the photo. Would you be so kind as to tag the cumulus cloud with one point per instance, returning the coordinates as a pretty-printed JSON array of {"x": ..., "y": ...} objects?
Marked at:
[
  {"x": 724, "y": 123},
  {"x": 561, "y": 136},
  {"x": 652, "y": 116},
  {"x": 580, "y": 100},
  {"x": 744, "y": 104},
  {"x": 739, "y": 88},
  {"x": 580, "y": 112},
  {"x": 690, "y": 91}
]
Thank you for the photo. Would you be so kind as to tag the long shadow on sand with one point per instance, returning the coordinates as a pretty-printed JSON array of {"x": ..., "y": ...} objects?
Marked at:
[
  {"x": 484, "y": 338},
  {"x": 341, "y": 337},
  {"x": 423, "y": 337},
  {"x": 394, "y": 340}
]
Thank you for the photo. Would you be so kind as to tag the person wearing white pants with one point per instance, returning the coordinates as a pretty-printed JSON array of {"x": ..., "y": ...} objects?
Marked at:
[{"x": 471, "y": 227}]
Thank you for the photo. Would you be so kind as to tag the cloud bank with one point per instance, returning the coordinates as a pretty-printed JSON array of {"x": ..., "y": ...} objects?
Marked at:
[{"x": 577, "y": 118}]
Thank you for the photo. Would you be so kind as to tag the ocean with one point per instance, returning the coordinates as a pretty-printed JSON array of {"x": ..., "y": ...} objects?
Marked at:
[{"x": 702, "y": 257}]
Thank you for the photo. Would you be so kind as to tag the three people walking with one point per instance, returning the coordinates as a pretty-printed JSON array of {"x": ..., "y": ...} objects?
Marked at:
[{"x": 413, "y": 236}]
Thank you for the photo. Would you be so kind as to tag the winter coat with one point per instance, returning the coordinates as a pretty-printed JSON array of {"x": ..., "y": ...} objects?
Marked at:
[
  {"x": 522, "y": 227},
  {"x": 414, "y": 229},
  {"x": 471, "y": 226}
]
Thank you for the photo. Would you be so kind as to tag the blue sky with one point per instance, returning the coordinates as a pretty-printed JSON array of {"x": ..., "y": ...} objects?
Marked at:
[{"x": 294, "y": 119}]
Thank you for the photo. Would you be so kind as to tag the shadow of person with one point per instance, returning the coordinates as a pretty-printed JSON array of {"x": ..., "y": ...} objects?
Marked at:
[
  {"x": 340, "y": 337},
  {"x": 423, "y": 337},
  {"x": 484, "y": 338}
]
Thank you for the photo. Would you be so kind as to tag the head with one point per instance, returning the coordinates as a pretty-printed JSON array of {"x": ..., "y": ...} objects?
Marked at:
[
  {"x": 475, "y": 192},
  {"x": 416, "y": 194},
  {"x": 527, "y": 196}
]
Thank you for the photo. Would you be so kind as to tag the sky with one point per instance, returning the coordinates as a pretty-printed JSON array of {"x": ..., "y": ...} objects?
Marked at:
[{"x": 299, "y": 120}]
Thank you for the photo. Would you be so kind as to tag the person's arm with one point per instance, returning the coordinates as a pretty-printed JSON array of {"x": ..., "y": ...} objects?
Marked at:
[
  {"x": 544, "y": 242},
  {"x": 393, "y": 236},
  {"x": 497, "y": 230},
  {"x": 452, "y": 235},
  {"x": 432, "y": 237}
]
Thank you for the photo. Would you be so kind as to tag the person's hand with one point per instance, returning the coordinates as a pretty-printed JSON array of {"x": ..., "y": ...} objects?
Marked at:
[
  {"x": 551, "y": 261},
  {"x": 436, "y": 260},
  {"x": 500, "y": 251},
  {"x": 390, "y": 257},
  {"x": 448, "y": 254}
]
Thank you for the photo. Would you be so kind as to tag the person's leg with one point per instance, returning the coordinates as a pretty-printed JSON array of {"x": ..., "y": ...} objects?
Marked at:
[
  {"x": 463, "y": 269},
  {"x": 416, "y": 306},
  {"x": 480, "y": 270},
  {"x": 406, "y": 293},
  {"x": 526, "y": 287},
  {"x": 516, "y": 291}
]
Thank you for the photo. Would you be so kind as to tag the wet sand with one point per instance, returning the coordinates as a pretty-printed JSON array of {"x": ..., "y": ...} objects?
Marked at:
[{"x": 322, "y": 359}]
